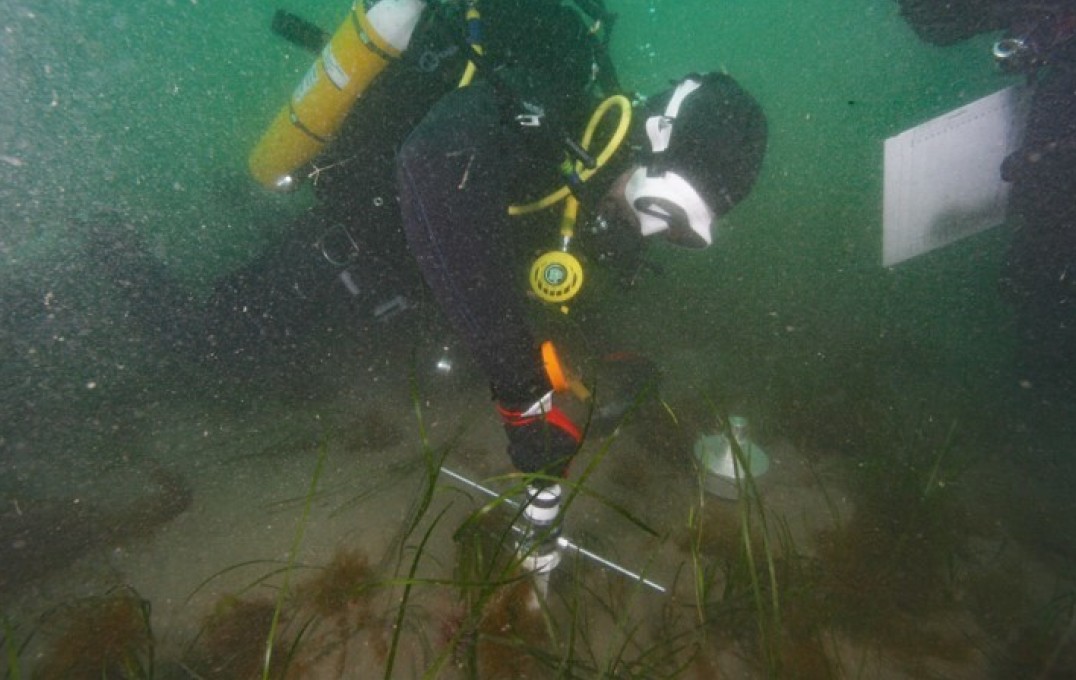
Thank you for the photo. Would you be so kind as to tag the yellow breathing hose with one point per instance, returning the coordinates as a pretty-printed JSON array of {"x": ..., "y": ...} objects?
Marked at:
[
  {"x": 567, "y": 267},
  {"x": 468, "y": 73},
  {"x": 557, "y": 275},
  {"x": 571, "y": 208},
  {"x": 620, "y": 102}
]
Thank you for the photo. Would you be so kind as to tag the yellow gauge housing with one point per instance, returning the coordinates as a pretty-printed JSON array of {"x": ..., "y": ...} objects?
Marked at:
[{"x": 556, "y": 276}]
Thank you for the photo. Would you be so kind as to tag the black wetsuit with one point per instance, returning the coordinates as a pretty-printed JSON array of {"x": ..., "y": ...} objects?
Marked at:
[
  {"x": 458, "y": 172},
  {"x": 467, "y": 157},
  {"x": 1040, "y": 270},
  {"x": 1039, "y": 275},
  {"x": 542, "y": 55}
]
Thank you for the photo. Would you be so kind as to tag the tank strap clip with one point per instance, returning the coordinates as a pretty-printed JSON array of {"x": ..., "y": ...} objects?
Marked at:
[{"x": 357, "y": 21}]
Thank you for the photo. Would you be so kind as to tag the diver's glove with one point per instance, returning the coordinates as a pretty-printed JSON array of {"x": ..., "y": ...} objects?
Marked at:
[{"x": 541, "y": 437}]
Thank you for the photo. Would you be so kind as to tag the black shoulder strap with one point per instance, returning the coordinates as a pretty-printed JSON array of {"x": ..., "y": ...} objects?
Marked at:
[{"x": 604, "y": 20}]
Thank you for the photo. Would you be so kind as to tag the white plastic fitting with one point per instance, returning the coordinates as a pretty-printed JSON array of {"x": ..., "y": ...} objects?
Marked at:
[{"x": 395, "y": 20}]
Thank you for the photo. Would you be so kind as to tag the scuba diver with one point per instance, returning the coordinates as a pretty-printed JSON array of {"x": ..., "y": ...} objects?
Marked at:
[
  {"x": 1039, "y": 271},
  {"x": 477, "y": 160}
]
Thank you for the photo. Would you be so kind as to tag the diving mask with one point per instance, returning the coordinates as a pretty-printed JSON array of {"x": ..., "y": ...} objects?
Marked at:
[
  {"x": 668, "y": 204},
  {"x": 663, "y": 201}
]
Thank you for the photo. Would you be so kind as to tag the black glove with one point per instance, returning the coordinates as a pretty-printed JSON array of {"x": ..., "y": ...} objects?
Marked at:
[{"x": 541, "y": 438}]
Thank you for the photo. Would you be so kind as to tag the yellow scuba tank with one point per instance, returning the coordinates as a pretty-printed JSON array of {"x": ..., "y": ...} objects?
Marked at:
[{"x": 360, "y": 49}]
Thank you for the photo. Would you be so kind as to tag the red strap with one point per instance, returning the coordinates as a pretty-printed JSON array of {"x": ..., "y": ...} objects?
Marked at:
[
  {"x": 554, "y": 416},
  {"x": 558, "y": 418},
  {"x": 514, "y": 418}
]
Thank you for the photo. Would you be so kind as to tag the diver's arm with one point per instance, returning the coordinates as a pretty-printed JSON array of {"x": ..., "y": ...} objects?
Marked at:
[{"x": 945, "y": 22}]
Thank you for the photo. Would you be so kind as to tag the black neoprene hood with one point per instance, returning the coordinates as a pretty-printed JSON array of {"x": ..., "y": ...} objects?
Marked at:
[{"x": 718, "y": 140}]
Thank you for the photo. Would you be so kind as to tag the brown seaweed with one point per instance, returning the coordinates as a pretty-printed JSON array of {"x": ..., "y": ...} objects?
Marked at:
[
  {"x": 101, "y": 637},
  {"x": 233, "y": 639}
]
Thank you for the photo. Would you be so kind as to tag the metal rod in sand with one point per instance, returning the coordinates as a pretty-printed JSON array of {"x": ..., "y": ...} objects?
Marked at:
[{"x": 562, "y": 542}]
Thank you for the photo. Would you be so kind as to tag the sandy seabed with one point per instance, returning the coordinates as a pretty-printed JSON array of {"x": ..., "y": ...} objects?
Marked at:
[{"x": 810, "y": 580}]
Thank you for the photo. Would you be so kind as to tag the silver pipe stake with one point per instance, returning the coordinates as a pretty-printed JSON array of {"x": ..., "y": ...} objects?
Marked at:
[{"x": 561, "y": 541}]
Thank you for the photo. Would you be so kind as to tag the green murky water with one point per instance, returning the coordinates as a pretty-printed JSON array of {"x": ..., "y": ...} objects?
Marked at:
[{"x": 916, "y": 520}]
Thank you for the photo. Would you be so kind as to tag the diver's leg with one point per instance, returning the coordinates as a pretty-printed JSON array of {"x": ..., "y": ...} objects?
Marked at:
[
  {"x": 1040, "y": 271},
  {"x": 456, "y": 172}
]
